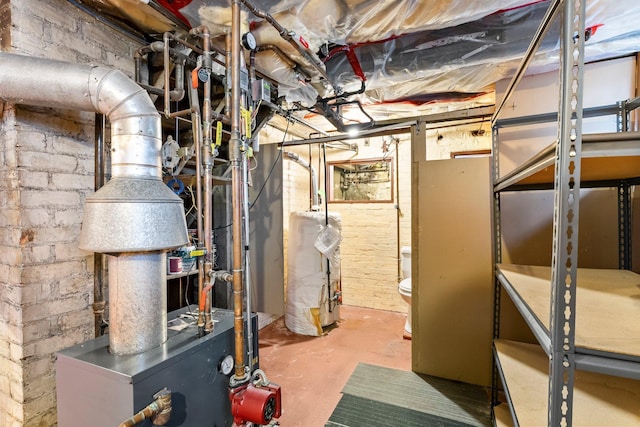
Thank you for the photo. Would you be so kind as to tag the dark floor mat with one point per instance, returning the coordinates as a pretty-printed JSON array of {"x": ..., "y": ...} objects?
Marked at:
[
  {"x": 378, "y": 396},
  {"x": 359, "y": 412}
]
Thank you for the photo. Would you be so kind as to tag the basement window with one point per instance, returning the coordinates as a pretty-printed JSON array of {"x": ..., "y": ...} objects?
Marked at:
[
  {"x": 361, "y": 181},
  {"x": 470, "y": 153}
]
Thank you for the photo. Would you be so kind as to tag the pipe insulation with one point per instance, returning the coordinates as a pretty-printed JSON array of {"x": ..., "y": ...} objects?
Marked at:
[{"x": 135, "y": 217}]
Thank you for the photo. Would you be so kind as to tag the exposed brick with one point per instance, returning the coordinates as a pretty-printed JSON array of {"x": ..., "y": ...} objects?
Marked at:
[
  {"x": 39, "y": 406},
  {"x": 33, "y": 179},
  {"x": 39, "y": 367},
  {"x": 62, "y": 234},
  {"x": 57, "y": 16},
  {"x": 51, "y": 272},
  {"x": 69, "y": 251},
  {"x": 32, "y": 141},
  {"x": 12, "y": 333},
  {"x": 68, "y": 181},
  {"x": 52, "y": 344},
  {"x": 22, "y": 17},
  {"x": 24, "y": 43},
  {"x": 74, "y": 285},
  {"x": 9, "y": 217},
  {"x": 10, "y": 198},
  {"x": 47, "y": 162},
  {"x": 15, "y": 410},
  {"x": 69, "y": 217},
  {"x": 49, "y": 198},
  {"x": 35, "y": 330},
  {"x": 77, "y": 320},
  {"x": 81, "y": 45},
  {"x": 9, "y": 236},
  {"x": 38, "y": 254},
  {"x": 36, "y": 217},
  {"x": 79, "y": 143}
]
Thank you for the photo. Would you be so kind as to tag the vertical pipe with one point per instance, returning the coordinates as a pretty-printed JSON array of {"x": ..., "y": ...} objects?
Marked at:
[
  {"x": 247, "y": 277},
  {"x": 227, "y": 89},
  {"x": 167, "y": 72},
  {"x": 196, "y": 125},
  {"x": 98, "y": 270},
  {"x": 236, "y": 189},
  {"x": 138, "y": 301},
  {"x": 326, "y": 223},
  {"x": 207, "y": 159},
  {"x": 398, "y": 211}
]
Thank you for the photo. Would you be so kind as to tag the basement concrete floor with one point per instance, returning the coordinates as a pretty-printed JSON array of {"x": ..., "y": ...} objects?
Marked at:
[{"x": 313, "y": 370}]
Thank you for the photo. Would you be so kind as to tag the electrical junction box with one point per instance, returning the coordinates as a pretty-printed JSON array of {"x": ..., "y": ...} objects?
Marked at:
[
  {"x": 261, "y": 90},
  {"x": 96, "y": 388}
]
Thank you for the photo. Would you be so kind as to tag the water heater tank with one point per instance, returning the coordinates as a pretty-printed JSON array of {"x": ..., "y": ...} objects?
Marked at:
[{"x": 313, "y": 272}]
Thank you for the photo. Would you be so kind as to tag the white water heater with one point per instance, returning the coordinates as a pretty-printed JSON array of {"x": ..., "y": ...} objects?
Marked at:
[{"x": 313, "y": 272}]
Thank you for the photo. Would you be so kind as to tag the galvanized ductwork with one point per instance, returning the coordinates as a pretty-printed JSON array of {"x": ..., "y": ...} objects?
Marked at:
[{"x": 135, "y": 217}]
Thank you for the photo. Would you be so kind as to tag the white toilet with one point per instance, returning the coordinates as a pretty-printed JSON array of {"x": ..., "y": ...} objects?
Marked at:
[{"x": 404, "y": 288}]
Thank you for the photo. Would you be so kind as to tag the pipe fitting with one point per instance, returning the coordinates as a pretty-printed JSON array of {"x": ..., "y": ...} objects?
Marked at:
[
  {"x": 158, "y": 411},
  {"x": 224, "y": 276}
]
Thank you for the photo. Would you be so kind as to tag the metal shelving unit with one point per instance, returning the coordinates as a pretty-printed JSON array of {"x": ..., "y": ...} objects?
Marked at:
[{"x": 584, "y": 319}]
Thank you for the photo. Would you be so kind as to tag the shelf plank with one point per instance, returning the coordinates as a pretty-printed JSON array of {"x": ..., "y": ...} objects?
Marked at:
[
  {"x": 601, "y": 161},
  {"x": 608, "y": 306},
  {"x": 502, "y": 416},
  {"x": 182, "y": 274},
  {"x": 598, "y": 400}
]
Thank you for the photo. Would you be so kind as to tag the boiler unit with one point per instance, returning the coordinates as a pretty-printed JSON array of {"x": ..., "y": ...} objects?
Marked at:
[{"x": 96, "y": 388}]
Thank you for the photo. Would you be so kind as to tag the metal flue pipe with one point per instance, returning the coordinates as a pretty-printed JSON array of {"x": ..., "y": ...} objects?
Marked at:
[{"x": 135, "y": 217}]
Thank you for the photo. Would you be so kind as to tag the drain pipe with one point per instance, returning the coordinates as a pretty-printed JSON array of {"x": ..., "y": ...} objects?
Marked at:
[
  {"x": 135, "y": 217},
  {"x": 315, "y": 204}
]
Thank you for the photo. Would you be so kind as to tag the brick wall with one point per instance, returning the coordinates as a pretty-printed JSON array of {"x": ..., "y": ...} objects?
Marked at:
[{"x": 46, "y": 172}]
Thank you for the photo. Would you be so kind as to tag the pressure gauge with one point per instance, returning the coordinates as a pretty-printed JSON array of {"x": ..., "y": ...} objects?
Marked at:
[
  {"x": 249, "y": 41},
  {"x": 226, "y": 364}
]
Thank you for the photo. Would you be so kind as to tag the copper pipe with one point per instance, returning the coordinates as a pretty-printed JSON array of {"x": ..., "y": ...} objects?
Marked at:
[
  {"x": 236, "y": 191},
  {"x": 227, "y": 92},
  {"x": 197, "y": 142},
  {"x": 159, "y": 411},
  {"x": 207, "y": 159}
]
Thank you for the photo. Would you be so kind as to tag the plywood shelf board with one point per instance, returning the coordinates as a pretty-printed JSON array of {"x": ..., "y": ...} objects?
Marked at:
[
  {"x": 607, "y": 311},
  {"x": 502, "y": 416},
  {"x": 598, "y": 400},
  {"x": 600, "y": 161}
]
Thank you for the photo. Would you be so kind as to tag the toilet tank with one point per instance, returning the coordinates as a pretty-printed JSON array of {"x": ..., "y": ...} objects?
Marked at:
[{"x": 405, "y": 252}]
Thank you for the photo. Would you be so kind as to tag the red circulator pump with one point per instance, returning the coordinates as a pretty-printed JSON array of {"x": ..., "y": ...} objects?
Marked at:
[{"x": 258, "y": 401}]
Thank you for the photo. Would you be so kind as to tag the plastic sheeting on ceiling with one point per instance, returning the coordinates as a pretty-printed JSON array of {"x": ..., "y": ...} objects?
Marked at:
[{"x": 410, "y": 51}]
